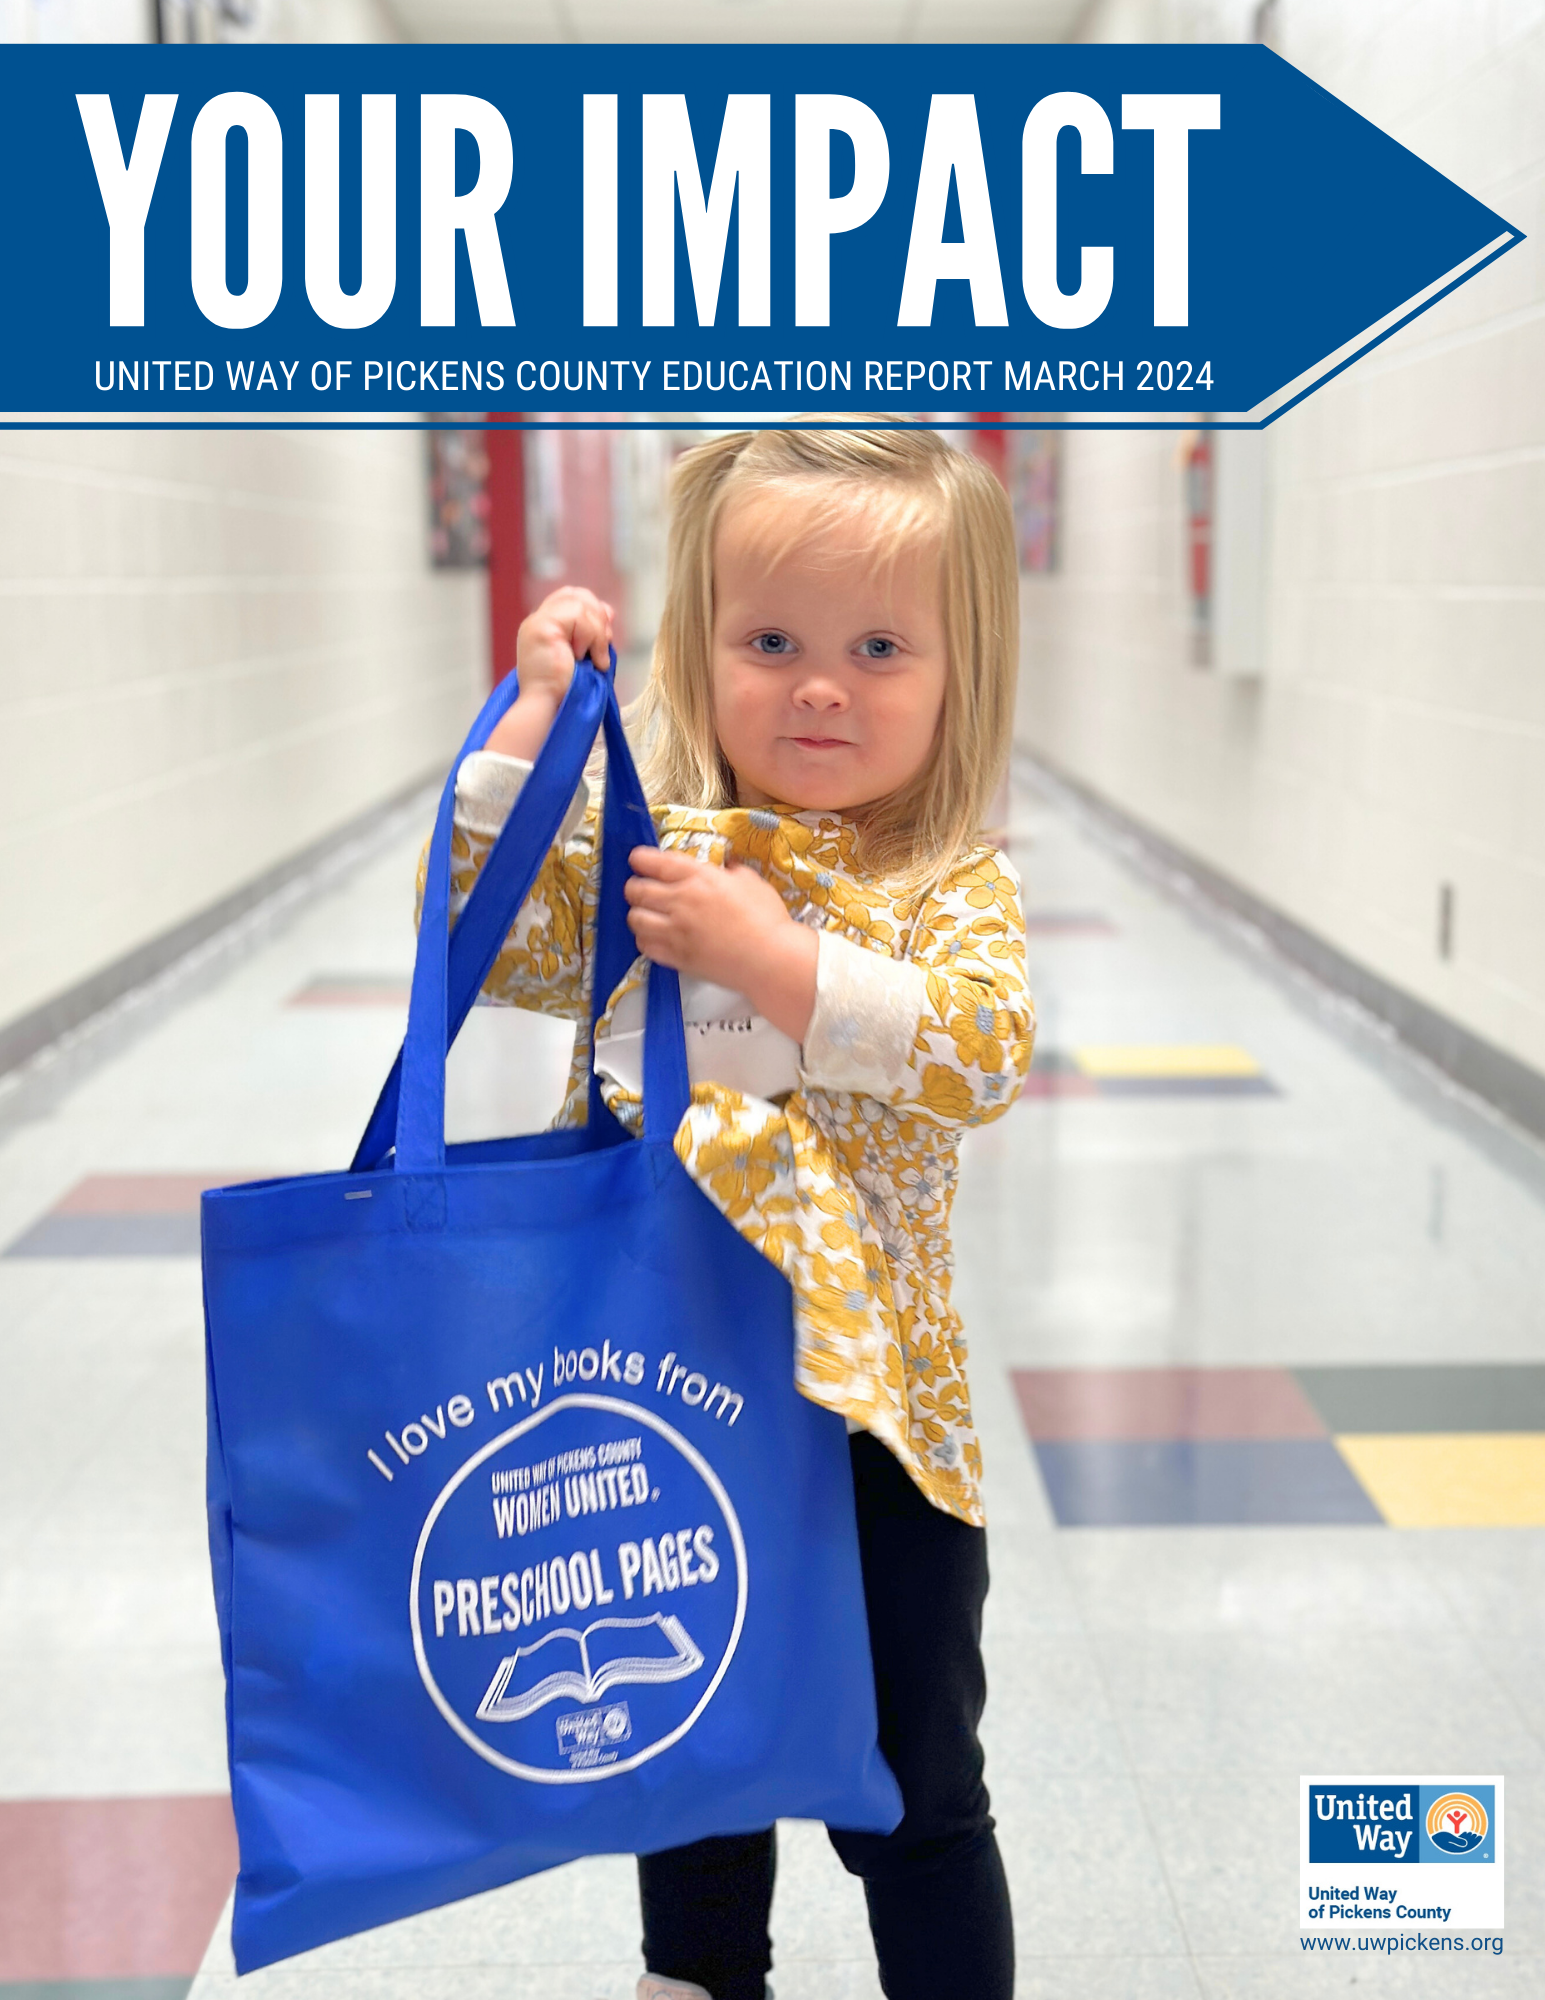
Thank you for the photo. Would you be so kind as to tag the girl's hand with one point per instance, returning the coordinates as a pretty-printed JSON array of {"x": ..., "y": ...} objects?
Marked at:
[
  {"x": 725, "y": 925},
  {"x": 563, "y": 628}
]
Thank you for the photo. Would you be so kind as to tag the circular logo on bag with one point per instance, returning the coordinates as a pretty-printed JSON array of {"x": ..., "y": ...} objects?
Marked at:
[{"x": 578, "y": 1592}]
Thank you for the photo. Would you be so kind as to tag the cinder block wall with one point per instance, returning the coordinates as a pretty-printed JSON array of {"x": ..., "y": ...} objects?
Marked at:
[
  {"x": 214, "y": 649},
  {"x": 1397, "y": 738}
]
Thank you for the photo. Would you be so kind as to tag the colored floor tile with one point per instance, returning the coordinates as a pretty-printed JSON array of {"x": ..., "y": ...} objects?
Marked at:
[
  {"x": 123, "y": 1215},
  {"x": 1146, "y": 1072},
  {"x": 1129, "y": 1061},
  {"x": 1443, "y": 1396},
  {"x": 1464, "y": 1480},
  {"x": 111, "y": 1889},
  {"x": 1187, "y": 1086},
  {"x": 352, "y": 989},
  {"x": 1053, "y": 1074},
  {"x": 1216, "y": 1482},
  {"x": 1043, "y": 1083},
  {"x": 109, "y": 1236},
  {"x": 96, "y": 1989},
  {"x": 140, "y": 1194},
  {"x": 1171, "y": 1403}
]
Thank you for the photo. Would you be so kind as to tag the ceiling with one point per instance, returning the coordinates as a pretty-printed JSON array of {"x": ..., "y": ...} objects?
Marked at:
[{"x": 737, "y": 20}]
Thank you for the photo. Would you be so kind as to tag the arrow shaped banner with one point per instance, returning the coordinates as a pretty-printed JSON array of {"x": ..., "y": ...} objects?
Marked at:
[{"x": 1063, "y": 235}]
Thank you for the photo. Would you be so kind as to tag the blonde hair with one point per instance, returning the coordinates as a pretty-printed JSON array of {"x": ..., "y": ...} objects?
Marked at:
[{"x": 905, "y": 487}]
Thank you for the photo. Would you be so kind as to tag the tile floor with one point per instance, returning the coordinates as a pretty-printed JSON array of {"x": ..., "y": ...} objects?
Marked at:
[
  {"x": 1257, "y": 1352},
  {"x": 1458, "y": 1445}
]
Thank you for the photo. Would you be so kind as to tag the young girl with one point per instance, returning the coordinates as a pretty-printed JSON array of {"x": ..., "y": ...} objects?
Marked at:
[{"x": 827, "y": 717}]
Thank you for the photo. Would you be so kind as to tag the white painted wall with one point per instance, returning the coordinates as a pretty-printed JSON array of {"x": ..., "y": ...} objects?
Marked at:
[
  {"x": 213, "y": 649},
  {"x": 1397, "y": 738}
]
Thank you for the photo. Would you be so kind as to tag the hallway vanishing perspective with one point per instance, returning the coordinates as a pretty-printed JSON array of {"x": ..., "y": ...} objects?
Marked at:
[
  {"x": 1254, "y": 1279},
  {"x": 1254, "y": 1306}
]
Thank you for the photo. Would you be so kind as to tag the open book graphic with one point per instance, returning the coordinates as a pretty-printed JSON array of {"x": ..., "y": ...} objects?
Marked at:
[{"x": 612, "y": 1652}]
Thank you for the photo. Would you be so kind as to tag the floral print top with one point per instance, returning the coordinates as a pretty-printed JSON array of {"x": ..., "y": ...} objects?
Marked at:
[{"x": 922, "y": 1028}]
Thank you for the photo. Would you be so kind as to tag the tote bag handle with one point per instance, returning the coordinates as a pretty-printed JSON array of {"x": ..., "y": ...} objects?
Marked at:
[{"x": 451, "y": 966}]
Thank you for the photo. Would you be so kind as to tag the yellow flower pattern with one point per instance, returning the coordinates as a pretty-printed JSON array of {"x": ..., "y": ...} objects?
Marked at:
[{"x": 848, "y": 1195}]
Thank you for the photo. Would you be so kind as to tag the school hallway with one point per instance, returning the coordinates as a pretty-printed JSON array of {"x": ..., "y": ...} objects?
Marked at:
[{"x": 1254, "y": 1304}]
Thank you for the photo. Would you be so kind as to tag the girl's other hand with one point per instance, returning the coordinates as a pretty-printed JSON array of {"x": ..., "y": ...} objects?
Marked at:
[
  {"x": 725, "y": 925},
  {"x": 567, "y": 626}
]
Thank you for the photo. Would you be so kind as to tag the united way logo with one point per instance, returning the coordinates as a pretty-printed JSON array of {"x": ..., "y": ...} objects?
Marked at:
[
  {"x": 1457, "y": 1823},
  {"x": 578, "y": 1592}
]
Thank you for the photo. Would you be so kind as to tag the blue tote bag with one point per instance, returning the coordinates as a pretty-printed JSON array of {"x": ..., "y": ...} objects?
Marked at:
[{"x": 525, "y": 1546}]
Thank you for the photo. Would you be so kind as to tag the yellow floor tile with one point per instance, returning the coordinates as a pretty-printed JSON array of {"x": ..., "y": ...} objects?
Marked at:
[
  {"x": 1165, "y": 1059},
  {"x": 1472, "y": 1479}
]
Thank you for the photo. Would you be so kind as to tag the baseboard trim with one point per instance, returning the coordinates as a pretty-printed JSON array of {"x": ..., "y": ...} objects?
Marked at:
[
  {"x": 1510, "y": 1087},
  {"x": 204, "y": 944}
]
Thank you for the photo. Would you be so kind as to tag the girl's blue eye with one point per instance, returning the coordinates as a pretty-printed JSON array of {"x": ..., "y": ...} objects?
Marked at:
[
  {"x": 776, "y": 645},
  {"x": 878, "y": 649}
]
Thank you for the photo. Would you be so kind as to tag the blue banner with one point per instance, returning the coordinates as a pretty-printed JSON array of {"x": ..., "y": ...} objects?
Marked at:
[{"x": 1060, "y": 234}]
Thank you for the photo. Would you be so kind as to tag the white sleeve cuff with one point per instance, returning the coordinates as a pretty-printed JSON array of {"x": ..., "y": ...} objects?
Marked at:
[
  {"x": 487, "y": 786},
  {"x": 868, "y": 1007}
]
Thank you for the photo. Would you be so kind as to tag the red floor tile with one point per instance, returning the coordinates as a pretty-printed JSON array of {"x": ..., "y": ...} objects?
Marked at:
[
  {"x": 1054, "y": 1074},
  {"x": 111, "y": 1888},
  {"x": 346, "y": 991},
  {"x": 1058, "y": 1083},
  {"x": 1170, "y": 1403},
  {"x": 143, "y": 1194}
]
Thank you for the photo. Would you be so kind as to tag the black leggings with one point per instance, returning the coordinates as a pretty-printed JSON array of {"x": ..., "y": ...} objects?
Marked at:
[{"x": 938, "y": 1901}]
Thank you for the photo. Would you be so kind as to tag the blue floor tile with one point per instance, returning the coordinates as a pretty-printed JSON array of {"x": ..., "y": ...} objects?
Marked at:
[
  {"x": 109, "y": 1236},
  {"x": 1149, "y": 1482}
]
